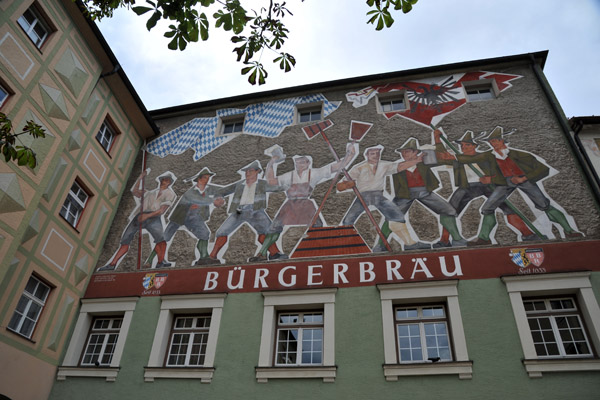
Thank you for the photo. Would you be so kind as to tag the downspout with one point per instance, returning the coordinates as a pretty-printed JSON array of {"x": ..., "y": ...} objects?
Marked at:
[
  {"x": 565, "y": 128},
  {"x": 589, "y": 166}
]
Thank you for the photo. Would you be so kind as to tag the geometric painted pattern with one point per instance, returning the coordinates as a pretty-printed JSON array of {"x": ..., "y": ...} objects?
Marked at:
[
  {"x": 11, "y": 197},
  {"x": 33, "y": 228},
  {"x": 113, "y": 189},
  {"x": 54, "y": 102},
  {"x": 59, "y": 170},
  {"x": 75, "y": 140},
  {"x": 60, "y": 322},
  {"x": 71, "y": 72},
  {"x": 90, "y": 108},
  {"x": 81, "y": 269},
  {"x": 262, "y": 119},
  {"x": 100, "y": 219}
]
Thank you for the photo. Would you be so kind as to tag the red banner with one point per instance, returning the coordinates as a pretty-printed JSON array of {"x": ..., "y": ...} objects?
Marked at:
[{"x": 351, "y": 272}]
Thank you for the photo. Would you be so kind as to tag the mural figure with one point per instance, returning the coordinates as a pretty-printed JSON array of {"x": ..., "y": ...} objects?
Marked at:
[
  {"x": 512, "y": 169},
  {"x": 298, "y": 208},
  {"x": 369, "y": 178},
  {"x": 247, "y": 205},
  {"x": 418, "y": 183},
  {"x": 148, "y": 214},
  {"x": 470, "y": 186},
  {"x": 192, "y": 211}
]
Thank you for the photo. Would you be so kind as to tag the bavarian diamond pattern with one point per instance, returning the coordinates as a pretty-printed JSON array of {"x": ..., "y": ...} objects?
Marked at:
[{"x": 263, "y": 119}]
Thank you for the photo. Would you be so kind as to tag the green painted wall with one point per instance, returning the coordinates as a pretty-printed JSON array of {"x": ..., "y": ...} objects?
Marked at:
[{"x": 490, "y": 330}]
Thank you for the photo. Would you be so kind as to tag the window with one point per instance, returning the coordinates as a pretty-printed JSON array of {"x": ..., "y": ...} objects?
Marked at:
[
  {"x": 106, "y": 135},
  {"x": 101, "y": 342},
  {"x": 188, "y": 341},
  {"x": 74, "y": 204},
  {"x": 558, "y": 320},
  {"x": 3, "y": 95},
  {"x": 34, "y": 26},
  {"x": 427, "y": 338},
  {"x": 231, "y": 125},
  {"x": 483, "y": 89},
  {"x": 309, "y": 112},
  {"x": 556, "y": 328},
  {"x": 422, "y": 333},
  {"x": 297, "y": 339},
  {"x": 185, "y": 340},
  {"x": 98, "y": 339},
  {"x": 29, "y": 308},
  {"x": 391, "y": 101},
  {"x": 478, "y": 94}
]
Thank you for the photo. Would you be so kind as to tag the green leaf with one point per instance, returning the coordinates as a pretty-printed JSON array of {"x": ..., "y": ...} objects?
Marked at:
[
  {"x": 203, "y": 27},
  {"x": 153, "y": 20},
  {"x": 173, "y": 44},
  {"x": 139, "y": 10}
]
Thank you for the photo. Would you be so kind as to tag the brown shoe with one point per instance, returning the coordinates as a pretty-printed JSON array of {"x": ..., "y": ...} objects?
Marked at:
[
  {"x": 573, "y": 235},
  {"x": 479, "y": 242}
]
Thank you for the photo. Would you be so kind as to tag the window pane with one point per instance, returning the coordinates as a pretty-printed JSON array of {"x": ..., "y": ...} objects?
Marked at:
[
  {"x": 409, "y": 343},
  {"x": 406, "y": 313}
]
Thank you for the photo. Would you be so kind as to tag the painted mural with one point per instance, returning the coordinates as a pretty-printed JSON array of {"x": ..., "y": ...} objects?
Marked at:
[{"x": 379, "y": 199}]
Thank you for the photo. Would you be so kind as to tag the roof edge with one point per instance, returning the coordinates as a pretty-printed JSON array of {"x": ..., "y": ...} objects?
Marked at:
[{"x": 539, "y": 56}]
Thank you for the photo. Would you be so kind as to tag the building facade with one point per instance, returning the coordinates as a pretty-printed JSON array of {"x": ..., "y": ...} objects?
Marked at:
[
  {"x": 57, "y": 70},
  {"x": 413, "y": 234}
]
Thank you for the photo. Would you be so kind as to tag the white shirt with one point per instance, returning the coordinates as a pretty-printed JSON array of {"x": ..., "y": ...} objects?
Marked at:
[
  {"x": 368, "y": 178},
  {"x": 248, "y": 194},
  {"x": 316, "y": 175}
]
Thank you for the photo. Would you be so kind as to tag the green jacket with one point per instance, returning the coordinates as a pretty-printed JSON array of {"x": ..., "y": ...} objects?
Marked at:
[
  {"x": 193, "y": 197},
  {"x": 533, "y": 169},
  {"x": 400, "y": 183}
]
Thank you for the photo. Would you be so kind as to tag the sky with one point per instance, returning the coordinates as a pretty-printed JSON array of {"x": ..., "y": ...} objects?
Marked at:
[{"x": 331, "y": 40}]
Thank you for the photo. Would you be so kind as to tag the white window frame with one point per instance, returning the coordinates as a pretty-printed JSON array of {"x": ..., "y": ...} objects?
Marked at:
[
  {"x": 421, "y": 321},
  {"x": 237, "y": 119},
  {"x": 487, "y": 84},
  {"x": 31, "y": 299},
  {"x": 91, "y": 308},
  {"x": 106, "y": 132},
  {"x": 433, "y": 292},
  {"x": 308, "y": 108},
  {"x": 396, "y": 95},
  {"x": 105, "y": 334},
  {"x": 73, "y": 202},
  {"x": 170, "y": 307},
  {"x": 551, "y": 315},
  {"x": 4, "y": 94},
  {"x": 304, "y": 300},
  {"x": 38, "y": 20},
  {"x": 302, "y": 328},
  {"x": 577, "y": 284}
]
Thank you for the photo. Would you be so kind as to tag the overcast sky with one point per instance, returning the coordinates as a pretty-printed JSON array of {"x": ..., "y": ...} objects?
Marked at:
[{"x": 331, "y": 40}]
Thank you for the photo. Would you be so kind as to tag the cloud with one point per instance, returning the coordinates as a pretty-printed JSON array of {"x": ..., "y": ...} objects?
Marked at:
[{"x": 331, "y": 41}]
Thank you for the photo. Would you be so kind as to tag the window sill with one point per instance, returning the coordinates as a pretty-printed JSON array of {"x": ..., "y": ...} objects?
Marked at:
[
  {"x": 263, "y": 374},
  {"x": 110, "y": 373},
  {"x": 204, "y": 374},
  {"x": 464, "y": 369},
  {"x": 535, "y": 368}
]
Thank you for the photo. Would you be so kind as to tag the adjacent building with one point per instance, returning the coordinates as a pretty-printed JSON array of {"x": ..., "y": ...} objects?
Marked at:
[{"x": 57, "y": 70}]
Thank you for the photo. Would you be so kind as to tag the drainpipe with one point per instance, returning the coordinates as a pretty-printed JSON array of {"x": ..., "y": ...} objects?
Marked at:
[
  {"x": 577, "y": 126},
  {"x": 565, "y": 128}
]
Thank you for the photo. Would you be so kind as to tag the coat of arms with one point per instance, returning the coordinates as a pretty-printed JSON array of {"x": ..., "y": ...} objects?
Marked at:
[
  {"x": 523, "y": 258},
  {"x": 154, "y": 280}
]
